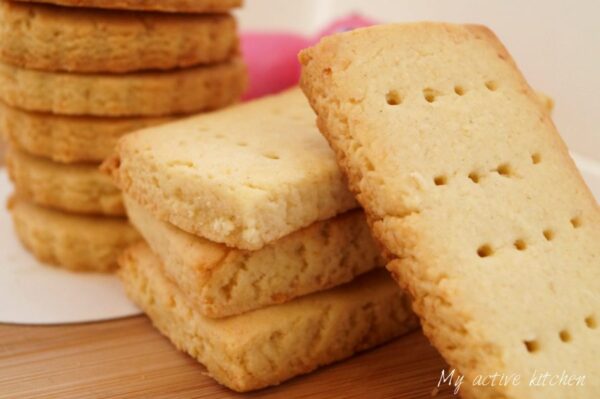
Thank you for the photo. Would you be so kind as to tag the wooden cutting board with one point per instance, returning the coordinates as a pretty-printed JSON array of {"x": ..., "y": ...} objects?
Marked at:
[{"x": 129, "y": 359}]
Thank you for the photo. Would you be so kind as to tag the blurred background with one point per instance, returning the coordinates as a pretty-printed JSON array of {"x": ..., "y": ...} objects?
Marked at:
[{"x": 556, "y": 43}]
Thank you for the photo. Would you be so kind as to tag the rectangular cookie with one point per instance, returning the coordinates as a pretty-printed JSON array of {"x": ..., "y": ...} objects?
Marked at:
[
  {"x": 222, "y": 281},
  {"x": 270, "y": 345},
  {"x": 467, "y": 183},
  {"x": 244, "y": 176}
]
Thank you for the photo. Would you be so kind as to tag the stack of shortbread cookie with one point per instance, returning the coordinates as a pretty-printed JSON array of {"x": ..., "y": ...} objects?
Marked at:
[
  {"x": 73, "y": 79},
  {"x": 257, "y": 261}
]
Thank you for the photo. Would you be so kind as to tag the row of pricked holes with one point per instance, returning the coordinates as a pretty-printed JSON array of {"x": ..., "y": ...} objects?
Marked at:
[
  {"x": 503, "y": 170},
  {"x": 268, "y": 154},
  {"x": 394, "y": 98},
  {"x": 486, "y": 250},
  {"x": 520, "y": 244},
  {"x": 565, "y": 335}
]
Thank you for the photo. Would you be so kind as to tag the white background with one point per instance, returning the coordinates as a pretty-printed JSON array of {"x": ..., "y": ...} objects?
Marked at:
[{"x": 556, "y": 43}]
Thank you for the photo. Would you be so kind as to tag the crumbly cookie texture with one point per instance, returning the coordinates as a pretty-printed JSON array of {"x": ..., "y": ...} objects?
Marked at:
[
  {"x": 38, "y": 36},
  {"x": 222, "y": 281},
  {"x": 546, "y": 101},
  {"x": 68, "y": 139},
  {"x": 467, "y": 183},
  {"x": 176, "y": 91},
  {"x": 244, "y": 176},
  {"x": 184, "y": 6},
  {"x": 78, "y": 188},
  {"x": 270, "y": 345},
  {"x": 75, "y": 242}
]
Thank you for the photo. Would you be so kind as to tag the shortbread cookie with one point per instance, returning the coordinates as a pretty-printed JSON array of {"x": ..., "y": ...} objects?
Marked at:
[
  {"x": 546, "y": 100},
  {"x": 222, "y": 281},
  {"x": 79, "y": 188},
  {"x": 270, "y": 345},
  {"x": 2, "y": 149},
  {"x": 83, "y": 243},
  {"x": 189, "y": 6},
  {"x": 68, "y": 139},
  {"x": 468, "y": 184},
  {"x": 135, "y": 94},
  {"x": 83, "y": 40},
  {"x": 243, "y": 177}
]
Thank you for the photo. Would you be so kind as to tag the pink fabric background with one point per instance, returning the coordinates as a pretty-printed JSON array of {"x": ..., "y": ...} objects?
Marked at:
[{"x": 272, "y": 58}]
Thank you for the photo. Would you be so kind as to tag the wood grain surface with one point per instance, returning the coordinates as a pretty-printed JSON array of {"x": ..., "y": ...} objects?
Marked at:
[{"x": 128, "y": 358}]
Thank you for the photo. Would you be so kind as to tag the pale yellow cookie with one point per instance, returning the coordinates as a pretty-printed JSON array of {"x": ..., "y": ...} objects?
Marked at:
[
  {"x": 76, "y": 242},
  {"x": 244, "y": 176},
  {"x": 222, "y": 281},
  {"x": 176, "y": 91},
  {"x": 189, "y": 6},
  {"x": 270, "y": 345},
  {"x": 467, "y": 183},
  {"x": 546, "y": 100},
  {"x": 38, "y": 36},
  {"x": 78, "y": 188},
  {"x": 68, "y": 139}
]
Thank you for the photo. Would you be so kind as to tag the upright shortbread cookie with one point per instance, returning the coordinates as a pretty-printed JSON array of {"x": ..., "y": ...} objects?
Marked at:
[
  {"x": 189, "y": 6},
  {"x": 68, "y": 139},
  {"x": 244, "y": 176},
  {"x": 176, "y": 91},
  {"x": 270, "y": 345},
  {"x": 468, "y": 185},
  {"x": 78, "y": 188},
  {"x": 38, "y": 36},
  {"x": 222, "y": 281},
  {"x": 76, "y": 242}
]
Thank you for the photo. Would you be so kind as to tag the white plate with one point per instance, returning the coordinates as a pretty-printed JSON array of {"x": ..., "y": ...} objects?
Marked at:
[
  {"x": 590, "y": 169},
  {"x": 32, "y": 293}
]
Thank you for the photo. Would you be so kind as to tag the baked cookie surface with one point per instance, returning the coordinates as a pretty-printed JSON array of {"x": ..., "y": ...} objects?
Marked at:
[
  {"x": 78, "y": 188},
  {"x": 37, "y": 36},
  {"x": 222, "y": 281},
  {"x": 75, "y": 242},
  {"x": 270, "y": 345},
  {"x": 68, "y": 139},
  {"x": 467, "y": 183},
  {"x": 179, "y": 91},
  {"x": 193, "y": 6},
  {"x": 244, "y": 176}
]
